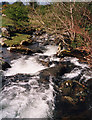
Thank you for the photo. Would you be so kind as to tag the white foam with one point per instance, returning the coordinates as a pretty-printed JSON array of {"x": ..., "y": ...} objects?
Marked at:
[
  {"x": 30, "y": 65},
  {"x": 75, "y": 61},
  {"x": 23, "y": 65},
  {"x": 75, "y": 72},
  {"x": 51, "y": 50},
  {"x": 19, "y": 103}
]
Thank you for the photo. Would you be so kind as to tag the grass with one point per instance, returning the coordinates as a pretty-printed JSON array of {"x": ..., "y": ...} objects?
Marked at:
[{"x": 17, "y": 39}]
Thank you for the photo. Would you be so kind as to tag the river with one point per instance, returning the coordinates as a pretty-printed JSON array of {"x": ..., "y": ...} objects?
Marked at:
[{"x": 23, "y": 96}]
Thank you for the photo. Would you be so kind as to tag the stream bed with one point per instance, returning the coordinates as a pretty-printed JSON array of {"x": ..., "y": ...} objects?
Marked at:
[{"x": 29, "y": 87}]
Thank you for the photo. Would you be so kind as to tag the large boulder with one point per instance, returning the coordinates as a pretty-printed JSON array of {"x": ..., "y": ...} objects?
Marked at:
[
  {"x": 26, "y": 42},
  {"x": 73, "y": 91},
  {"x": 22, "y": 50},
  {"x": 56, "y": 72},
  {"x": 72, "y": 53},
  {"x": 4, "y": 65},
  {"x": 71, "y": 99},
  {"x": 5, "y": 32}
]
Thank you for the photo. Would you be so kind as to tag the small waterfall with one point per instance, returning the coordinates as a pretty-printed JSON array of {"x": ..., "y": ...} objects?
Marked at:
[
  {"x": 21, "y": 65},
  {"x": 80, "y": 72}
]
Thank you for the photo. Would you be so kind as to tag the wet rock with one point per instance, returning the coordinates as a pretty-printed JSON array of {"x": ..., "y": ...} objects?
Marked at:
[
  {"x": 6, "y": 80},
  {"x": 22, "y": 50},
  {"x": 72, "y": 53},
  {"x": 73, "y": 91},
  {"x": 4, "y": 65},
  {"x": 5, "y": 32},
  {"x": 89, "y": 83},
  {"x": 37, "y": 50},
  {"x": 3, "y": 44},
  {"x": 45, "y": 63},
  {"x": 56, "y": 71},
  {"x": 71, "y": 99},
  {"x": 89, "y": 100},
  {"x": 86, "y": 115},
  {"x": 26, "y": 42}
]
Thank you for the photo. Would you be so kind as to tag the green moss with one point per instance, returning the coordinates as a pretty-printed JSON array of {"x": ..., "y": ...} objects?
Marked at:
[{"x": 17, "y": 39}]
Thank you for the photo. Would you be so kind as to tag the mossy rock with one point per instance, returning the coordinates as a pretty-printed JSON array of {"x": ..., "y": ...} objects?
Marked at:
[
  {"x": 73, "y": 91},
  {"x": 22, "y": 50},
  {"x": 26, "y": 42},
  {"x": 17, "y": 39}
]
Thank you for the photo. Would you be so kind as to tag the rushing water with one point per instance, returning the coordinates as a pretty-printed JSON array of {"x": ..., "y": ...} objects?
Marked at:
[{"x": 30, "y": 99}]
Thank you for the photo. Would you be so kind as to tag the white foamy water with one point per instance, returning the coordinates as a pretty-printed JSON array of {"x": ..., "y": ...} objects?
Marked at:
[
  {"x": 36, "y": 101},
  {"x": 81, "y": 69},
  {"x": 30, "y": 65},
  {"x": 75, "y": 72},
  {"x": 18, "y": 102},
  {"x": 51, "y": 50},
  {"x": 23, "y": 65},
  {"x": 76, "y": 62}
]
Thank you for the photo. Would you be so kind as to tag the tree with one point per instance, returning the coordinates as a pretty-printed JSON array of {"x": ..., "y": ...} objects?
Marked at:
[
  {"x": 5, "y": 3},
  {"x": 18, "y": 12}
]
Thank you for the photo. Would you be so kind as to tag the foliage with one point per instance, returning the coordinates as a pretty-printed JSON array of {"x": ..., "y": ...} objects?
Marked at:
[
  {"x": 73, "y": 19},
  {"x": 5, "y": 3},
  {"x": 17, "y": 12}
]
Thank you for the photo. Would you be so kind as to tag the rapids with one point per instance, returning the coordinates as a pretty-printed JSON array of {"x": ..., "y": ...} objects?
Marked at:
[{"x": 28, "y": 98}]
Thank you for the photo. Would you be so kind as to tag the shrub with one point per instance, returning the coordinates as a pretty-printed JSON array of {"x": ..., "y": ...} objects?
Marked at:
[{"x": 18, "y": 12}]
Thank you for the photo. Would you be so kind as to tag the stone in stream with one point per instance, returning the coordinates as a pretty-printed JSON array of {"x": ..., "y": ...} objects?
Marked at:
[
  {"x": 6, "y": 80},
  {"x": 3, "y": 44},
  {"x": 71, "y": 99},
  {"x": 4, "y": 65},
  {"x": 5, "y": 32},
  {"x": 22, "y": 50},
  {"x": 57, "y": 71},
  {"x": 26, "y": 42},
  {"x": 73, "y": 91},
  {"x": 64, "y": 50},
  {"x": 45, "y": 63}
]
